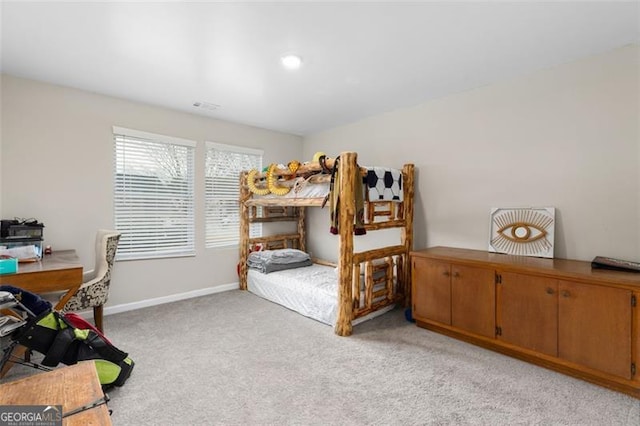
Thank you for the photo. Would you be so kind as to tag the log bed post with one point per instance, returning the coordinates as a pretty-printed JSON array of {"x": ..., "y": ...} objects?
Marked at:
[
  {"x": 408, "y": 172},
  {"x": 245, "y": 194},
  {"x": 348, "y": 169},
  {"x": 302, "y": 227}
]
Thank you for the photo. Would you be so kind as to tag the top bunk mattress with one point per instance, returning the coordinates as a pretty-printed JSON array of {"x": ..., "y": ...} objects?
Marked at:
[
  {"x": 312, "y": 193},
  {"x": 311, "y": 290}
]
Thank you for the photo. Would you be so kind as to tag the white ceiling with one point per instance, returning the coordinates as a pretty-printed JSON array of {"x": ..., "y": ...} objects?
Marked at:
[{"x": 360, "y": 58}]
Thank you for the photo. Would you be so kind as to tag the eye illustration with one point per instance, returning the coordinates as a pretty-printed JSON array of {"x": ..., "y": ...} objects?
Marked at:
[{"x": 522, "y": 231}]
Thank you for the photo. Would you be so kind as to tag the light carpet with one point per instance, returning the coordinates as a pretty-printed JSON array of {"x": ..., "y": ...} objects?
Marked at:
[{"x": 235, "y": 359}]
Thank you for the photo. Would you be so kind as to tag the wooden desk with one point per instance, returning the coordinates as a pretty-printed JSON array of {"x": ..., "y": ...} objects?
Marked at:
[
  {"x": 60, "y": 271},
  {"x": 72, "y": 387}
]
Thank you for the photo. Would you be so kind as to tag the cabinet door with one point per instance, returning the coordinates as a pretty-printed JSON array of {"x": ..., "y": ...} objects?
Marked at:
[
  {"x": 595, "y": 327},
  {"x": 473, "y": 299},
  {"x": 431, "y": 290},
  {"x": 636, "y": 336},
  {"x": 527, "y": 312}
]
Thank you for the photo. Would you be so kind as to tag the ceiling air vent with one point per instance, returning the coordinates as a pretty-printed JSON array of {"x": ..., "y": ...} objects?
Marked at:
[{"x": 206, "y": 105}]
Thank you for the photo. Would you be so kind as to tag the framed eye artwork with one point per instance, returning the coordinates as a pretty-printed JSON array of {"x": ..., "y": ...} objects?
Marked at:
[{"x": 522, "y": 231}]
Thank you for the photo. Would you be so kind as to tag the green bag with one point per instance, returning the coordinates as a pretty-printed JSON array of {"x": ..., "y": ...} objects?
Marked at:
[{"x": 68, "y": 339}]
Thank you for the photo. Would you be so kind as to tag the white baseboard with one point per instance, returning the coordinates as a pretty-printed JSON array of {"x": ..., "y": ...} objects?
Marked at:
[{"x": 109, "y": 310}]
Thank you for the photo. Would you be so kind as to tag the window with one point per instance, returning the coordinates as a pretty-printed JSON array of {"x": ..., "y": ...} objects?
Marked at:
[
  {"x": 154, "y": 196},
  {"x": 223, "y": 166}
]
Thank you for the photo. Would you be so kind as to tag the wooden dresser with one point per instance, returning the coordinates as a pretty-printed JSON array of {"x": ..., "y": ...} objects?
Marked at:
[{"x": 557, "y": 313}]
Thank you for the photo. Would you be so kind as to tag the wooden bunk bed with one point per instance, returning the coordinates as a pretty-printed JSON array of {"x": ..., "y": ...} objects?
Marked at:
[{"x": 367, "y": 281}]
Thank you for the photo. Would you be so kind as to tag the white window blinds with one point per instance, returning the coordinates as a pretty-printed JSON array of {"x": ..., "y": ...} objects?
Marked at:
[
  {"x": 223, "y": 166},
  {"x": 154, "y": 195}
]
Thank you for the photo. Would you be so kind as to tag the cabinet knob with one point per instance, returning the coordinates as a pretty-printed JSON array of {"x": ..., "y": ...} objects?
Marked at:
[
  {"x": 550, "y": 290},
  {"x": 456, "y": 274},
  {"x": 565, "y": 293},
  {"x": 446, "y": 273}
]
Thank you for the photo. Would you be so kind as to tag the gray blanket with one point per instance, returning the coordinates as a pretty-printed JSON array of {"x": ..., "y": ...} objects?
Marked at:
[{"x": 267, "y": 261}]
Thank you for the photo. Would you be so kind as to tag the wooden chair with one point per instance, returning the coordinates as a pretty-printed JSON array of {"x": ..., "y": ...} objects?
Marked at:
[{"x": 94, "y": 292}]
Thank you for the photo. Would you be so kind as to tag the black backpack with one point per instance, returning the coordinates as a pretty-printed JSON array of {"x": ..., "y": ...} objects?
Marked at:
[{"x": 67, "y": 339}]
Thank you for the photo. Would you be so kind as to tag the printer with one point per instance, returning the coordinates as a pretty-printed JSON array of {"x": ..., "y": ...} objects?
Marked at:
[{"x": 15, "y": 233}]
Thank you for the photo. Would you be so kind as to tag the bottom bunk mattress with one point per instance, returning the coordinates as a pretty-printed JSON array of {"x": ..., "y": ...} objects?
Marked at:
[{"x": 311, "y": 291}]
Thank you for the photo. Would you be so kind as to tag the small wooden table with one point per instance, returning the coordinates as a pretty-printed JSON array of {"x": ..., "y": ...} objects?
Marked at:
[
  {"x": 59, "y": 271},
  {"x": 72, "y": 387}
]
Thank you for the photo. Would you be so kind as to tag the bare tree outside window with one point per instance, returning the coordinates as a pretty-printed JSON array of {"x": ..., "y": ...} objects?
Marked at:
[
  {"x": 154, "y": 197},
  {"x": 223, "y": 166}
]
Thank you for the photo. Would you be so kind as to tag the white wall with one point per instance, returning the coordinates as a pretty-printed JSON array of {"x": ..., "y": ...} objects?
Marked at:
[
  {"x": 566, "y": 137},
  {"x": 57, "y": 166},
  {"x": 1, "y": 126}
]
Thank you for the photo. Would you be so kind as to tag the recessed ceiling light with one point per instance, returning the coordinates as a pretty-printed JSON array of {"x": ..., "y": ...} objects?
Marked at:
[{"x": 291, "y": 61}]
